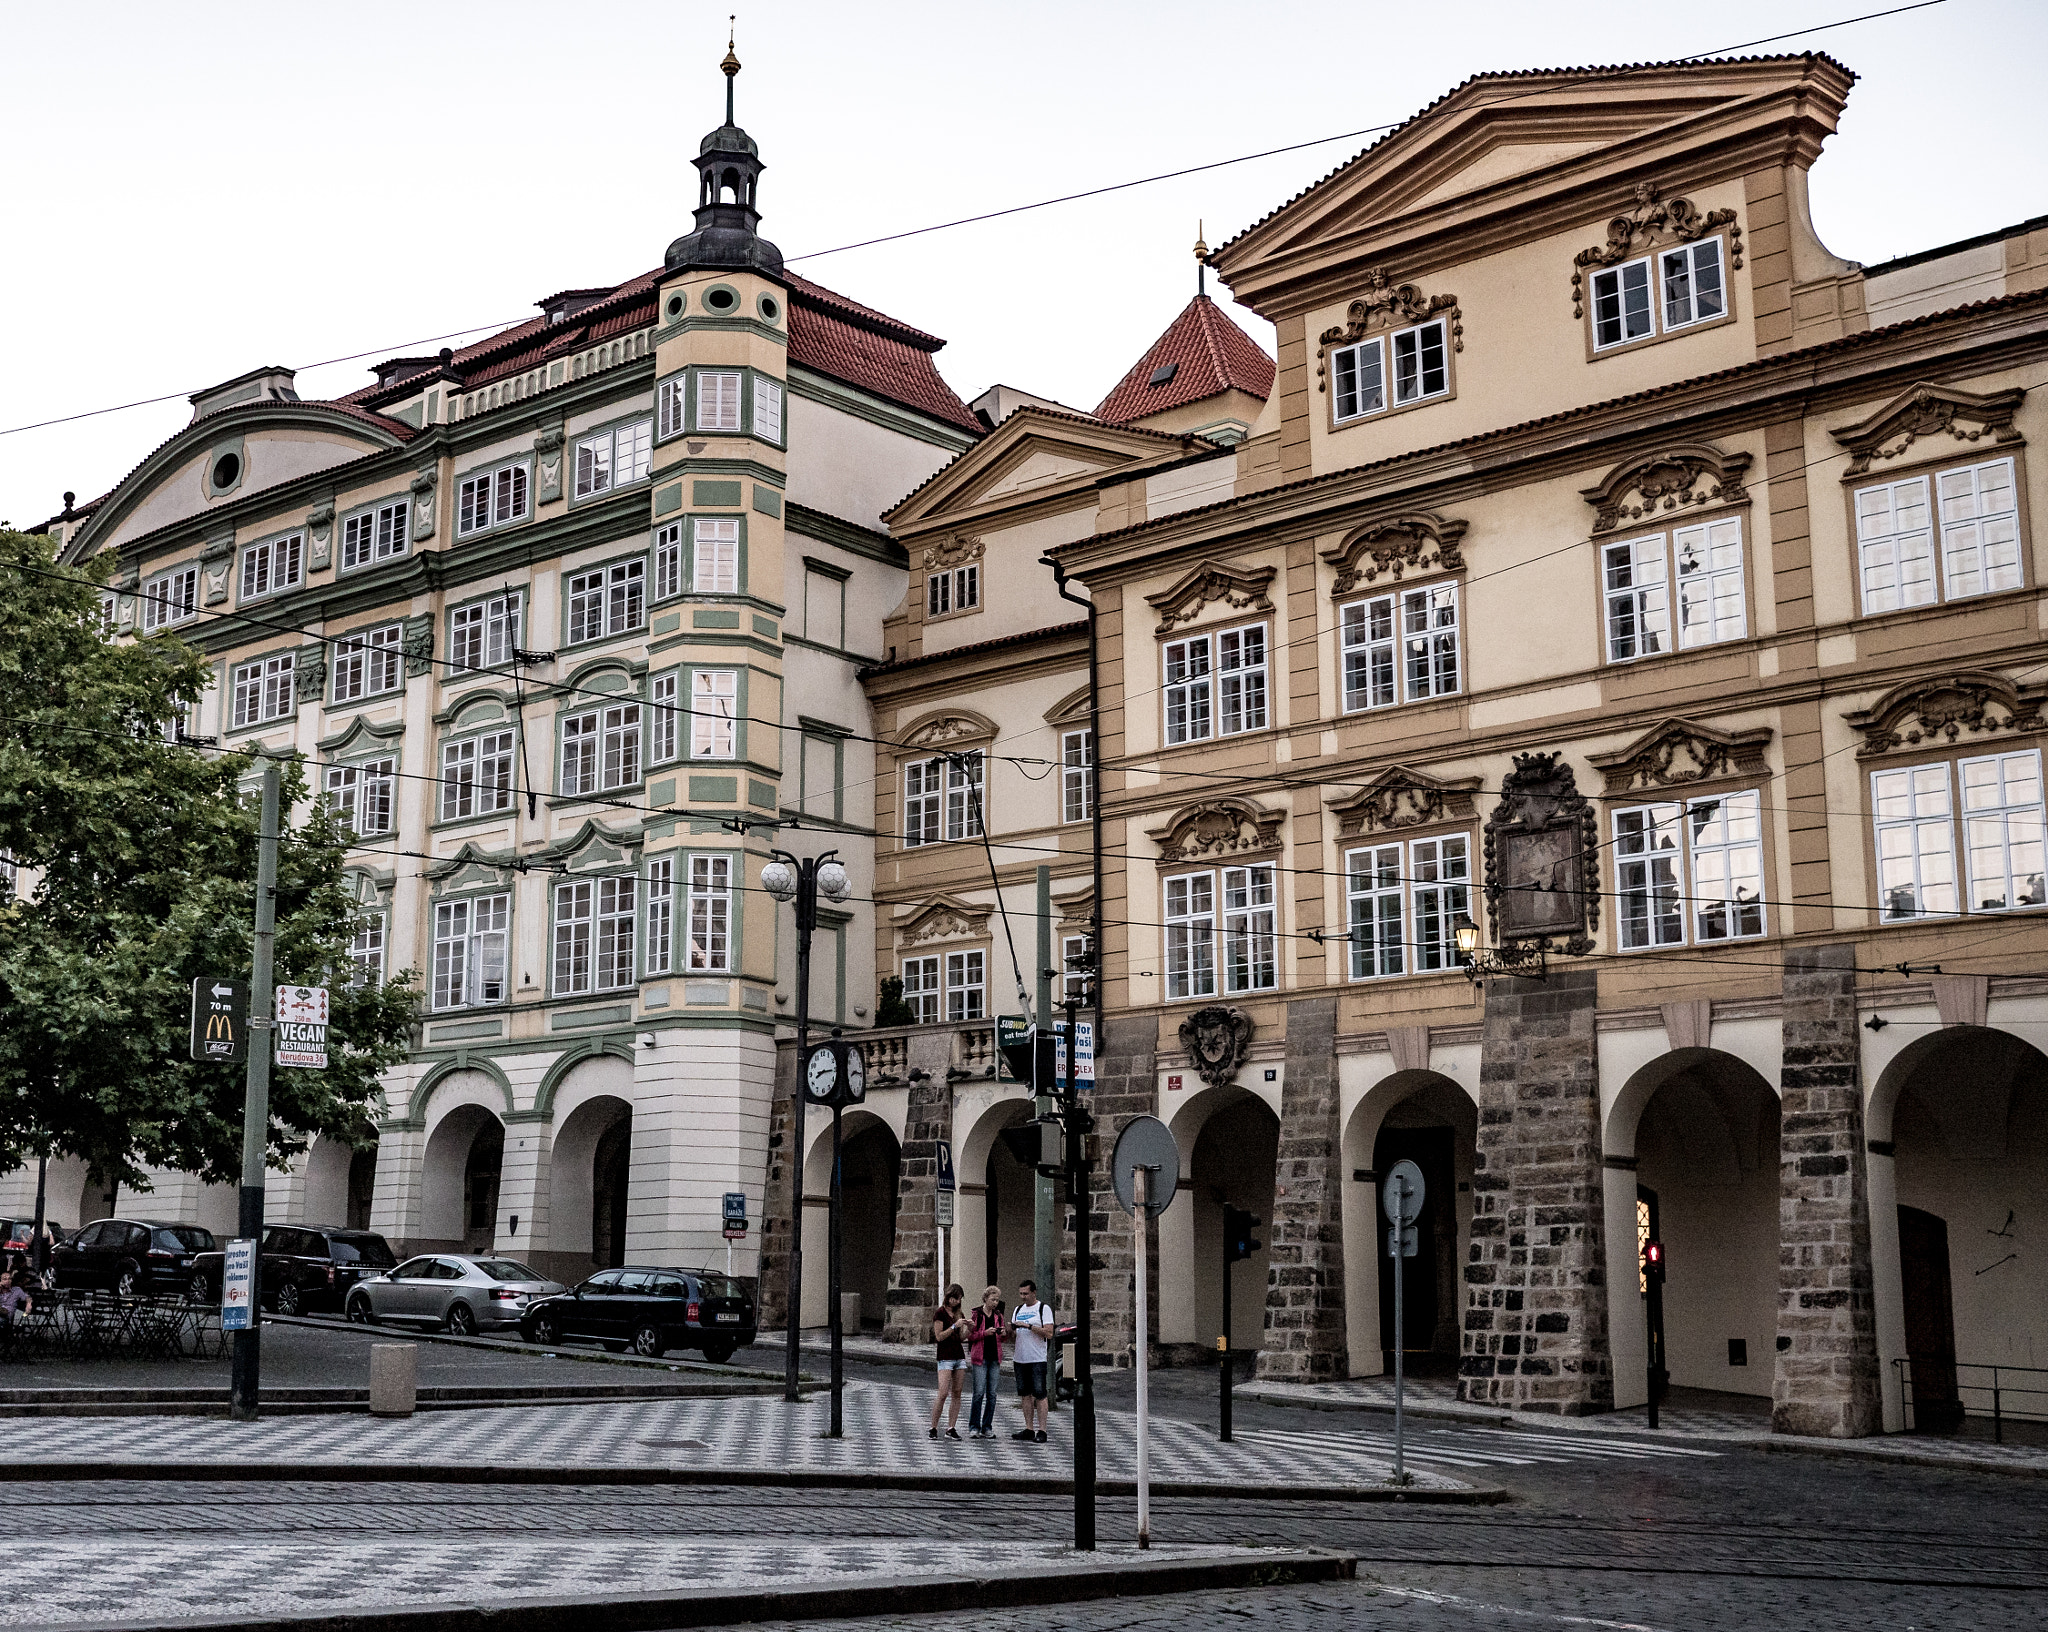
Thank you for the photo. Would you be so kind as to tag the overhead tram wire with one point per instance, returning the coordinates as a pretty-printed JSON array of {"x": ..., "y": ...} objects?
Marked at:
[{"x": 1095, "y": 192}]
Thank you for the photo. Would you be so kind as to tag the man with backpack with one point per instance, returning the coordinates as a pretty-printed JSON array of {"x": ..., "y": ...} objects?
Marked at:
[{"x": 1033, "y": 1323}]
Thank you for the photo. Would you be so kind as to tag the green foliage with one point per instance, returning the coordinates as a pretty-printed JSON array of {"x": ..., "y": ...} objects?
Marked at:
[
  {"x": 138, "y": 859},
  {"x": 890, "y": 1007}
]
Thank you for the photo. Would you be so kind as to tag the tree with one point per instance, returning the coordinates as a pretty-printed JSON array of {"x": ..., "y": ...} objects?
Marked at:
[{"x": 136, "y": 858}]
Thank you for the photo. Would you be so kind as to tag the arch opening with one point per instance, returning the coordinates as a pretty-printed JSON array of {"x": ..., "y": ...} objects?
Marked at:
[
  {"x": 589, "y": 1171},
  {"x": 459, "y": 1182},
  {"x": 1233, "y": 1164},
  {"x": 870, "y": 1163}
]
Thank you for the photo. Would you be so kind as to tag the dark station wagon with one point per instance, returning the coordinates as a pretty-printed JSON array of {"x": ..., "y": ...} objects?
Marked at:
[
  {"x": 650, "y": 1311},
  {"x": 128, "y": 1256},
  {"x": 303, "y": 1268}
]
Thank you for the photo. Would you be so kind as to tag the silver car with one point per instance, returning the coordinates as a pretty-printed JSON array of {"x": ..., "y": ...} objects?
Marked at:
[{"x": 465, "y": 1294}]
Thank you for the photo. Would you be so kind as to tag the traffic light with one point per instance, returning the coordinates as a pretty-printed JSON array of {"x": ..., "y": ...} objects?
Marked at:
[
  {"x": 1653, "y": 1260},
  {"x": 1037, "y": 1144},
  {"x": 1238, "y": 1240}
]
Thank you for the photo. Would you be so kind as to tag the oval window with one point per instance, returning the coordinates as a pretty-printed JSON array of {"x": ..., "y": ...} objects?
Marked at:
[
  {"x": 675, "y": 305},
  {"x": 769, "y": 309},
  {"x": 226, "y": 469},
  {"x": 721, "y": 300}
]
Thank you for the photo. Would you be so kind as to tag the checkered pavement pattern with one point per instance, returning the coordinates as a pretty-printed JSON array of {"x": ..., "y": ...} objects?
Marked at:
[
  {"x": 885, "y": 1430},
  {"x": 1470, "y": 1450},
  {"x": 1439, "y": 1396},
  {"x": 88, "y": 1584}
]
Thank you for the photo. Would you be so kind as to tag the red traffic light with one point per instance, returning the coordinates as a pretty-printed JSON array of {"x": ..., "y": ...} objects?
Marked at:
[{"x": 1653, "y": 1259}]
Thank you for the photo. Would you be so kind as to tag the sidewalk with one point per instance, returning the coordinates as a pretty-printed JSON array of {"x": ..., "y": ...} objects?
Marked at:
[
  {"x": 457, "y": 1585},
  {"x": 746, "y": 1439}
]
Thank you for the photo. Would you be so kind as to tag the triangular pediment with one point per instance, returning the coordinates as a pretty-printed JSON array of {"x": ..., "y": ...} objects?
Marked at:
[
  {"x": 472, "y": 867},
  {"x": 1678, "y": 752},
  {"x": 942, "y": 918},
  {"x": 1399, "y": 797},
  {"x": 1930, "y": 410},
  {"x": 1034, "y": 453}
]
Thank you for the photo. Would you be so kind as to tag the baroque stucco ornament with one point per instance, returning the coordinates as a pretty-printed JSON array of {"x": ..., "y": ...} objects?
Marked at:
[
  {"x": 1218, "y": 828},
  {"x": 1387, "y": 305},
  {"x": 1242, "y": 589},
  {"x": 1941, "y": 709},
  {"x": 1688, "y": 476},
  {"x": 1216, "y": 1040},
  {"x": 953, "y": 552},
  {"x": 1651, "y": 222},
  {"x": 1930, "y": 410},
  {"x": 1678, "y": 752},
  {"x": 1399, "y": 797},
  {"x": 1418, "y": 542},
  {"x": 1543, "y": 858}
]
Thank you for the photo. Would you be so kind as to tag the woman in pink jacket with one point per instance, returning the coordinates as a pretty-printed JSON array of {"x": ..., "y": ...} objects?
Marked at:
[{"x": 985, "y": 1362}]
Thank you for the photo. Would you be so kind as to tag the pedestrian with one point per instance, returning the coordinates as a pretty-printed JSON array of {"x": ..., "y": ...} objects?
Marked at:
[
  {"x": 1032, "y": 1321},
  {"x": 949, "y": 1331},
  {"x": 14, "y": 1303},
  {"x": 985, "y": 1362}
]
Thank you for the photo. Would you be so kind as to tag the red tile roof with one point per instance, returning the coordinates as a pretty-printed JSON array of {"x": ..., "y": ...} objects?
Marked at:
[{"x": 1210, "y": 355}]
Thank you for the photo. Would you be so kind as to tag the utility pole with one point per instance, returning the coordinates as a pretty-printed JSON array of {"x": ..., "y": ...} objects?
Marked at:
[
  {"x": 1044, "y": 1197},
  {"x": 1079, "y": 1122},
  {"x": 1223, "y": 1356},
  {"x": 246, "y": 1378}
]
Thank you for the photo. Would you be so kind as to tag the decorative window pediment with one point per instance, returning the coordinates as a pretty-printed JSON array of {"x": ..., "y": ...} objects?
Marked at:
[
  {"x": 593, "y": 847},
  {"x": 1418, "y": 542},
  {"x": 1688, "y": 476},
  {"x": 1241, "y": 589},
  {"x": 943, "y": 918},
  {"x": 953, "y": 552},
  {"x": 1399, "y": 797},
  {"x": 1218, "y": 829},
  {"x": 361, "y": 734},
  {"x": 1678, "y": 752},
  {"x": 474, "y": 708},
  {"x": 1388, "y": 305},
  {"x": 1654, "y": 222},
  {"x": 1929, "y": 410},
  {"x": 471, "y": 867},
  {"x": 950, "y": 729},
  {"x": 1076, "y": 913},
  {"x": 1071, "y": 709},
  {"x": 370, "y": 889},
  {"x": 1935, "y": 712}
]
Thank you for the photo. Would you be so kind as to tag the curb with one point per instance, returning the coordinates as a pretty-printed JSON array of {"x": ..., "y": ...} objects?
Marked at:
[
  {"x": 344, "y": 1402},
  {"x": 1909, "y": 1459},
  {"x": 999, "y": 1590},
  {"x": 562, "y": 1351},
  {"x": 549, "y": 1473}
]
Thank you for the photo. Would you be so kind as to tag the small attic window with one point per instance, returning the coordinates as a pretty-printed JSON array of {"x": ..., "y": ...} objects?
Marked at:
[{"x": 1163, "y": 373}]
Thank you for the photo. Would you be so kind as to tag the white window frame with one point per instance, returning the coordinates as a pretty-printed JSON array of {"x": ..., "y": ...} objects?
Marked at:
[
  {"x": 265, "y": 689},
  {"x": 620, "y": 742},
  {"x": 272, "y": 565},
  {"x": 1619, "y": 294},
  {"x": 485, "y": 634},
  {"x": 715, "y": 555},
  {"x": 957, "y": 589},
  {"x": 1244, "y": 696},
  {"x": 1251, "y": 922},
  {"x": 594, "y": 932},
  {"x": 1077, "y": 775},
  {"x": 1216, "y": 684},
  {"x": 1688, "y": 262},
  {"x": 380, "y": 534},
  {"x": 496, "y": 497},
  {"x": 1895, "y": 560},
  {"x": 710, "y": 919},
  {"x": 605, "y": 602},
  {"x": 670, "y": 401},
  {"x": 661, "y": 909},
  {"x": 767, "y": 409},
  {"x": 614, "y": 458},
  {"x": 170, "y": 599},
  {"x": 1913, "y": 831},
  {"x": 1409, "y": 349},
  {"x": 1676, "y": 591},
  {"x": 1995, "y": 562},
  {"x": 1679, "y": 869},
  {"x": 665, "y": 733},
  {"x": 1358, "y": 381},
  {"x": 1376, "y": 898},
  {"x": 2001, "y": 813},
  {"x": 668, "y": 561},
  {"x": 1400, "y": 647},
  {"x": 921, "y": 989},
  {"x": 362, "y": 792},
  {"x": 714, "y": 713},
  {"x": 1635, "y": 600},
  {"x": 924, "y": 801},
  {"x": 1666, "y": 290},
  {"x": 472, "y": 952},
  {"x": 366, "y": 950},
  {"x": 966, "y": 795},
  {"x": 1188, "y": 689},
  {"x": 476, "y": 775},
  {"x": 1190, "y": 917},
  {"x": 718, "y": 405},
  {"x": 1712, "y": 586},
  {"x": 1957, "y": 550},
  {"x": 967, "y": 985},
  {"x": 369, "y": 663}
]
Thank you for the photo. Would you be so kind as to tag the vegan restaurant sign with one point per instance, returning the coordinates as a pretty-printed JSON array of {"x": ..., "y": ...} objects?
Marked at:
[{"x": 302, "y": 1026}]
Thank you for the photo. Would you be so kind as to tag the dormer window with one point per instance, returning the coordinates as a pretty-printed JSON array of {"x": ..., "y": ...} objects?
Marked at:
[{"x": 1689, "y": 289}]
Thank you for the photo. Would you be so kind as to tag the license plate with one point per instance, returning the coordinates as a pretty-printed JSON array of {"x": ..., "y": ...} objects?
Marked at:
[{"x": 727, "y": 1320}]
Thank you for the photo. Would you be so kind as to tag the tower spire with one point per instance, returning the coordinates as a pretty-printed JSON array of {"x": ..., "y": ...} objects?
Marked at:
[
  {"x": 731, "y": 66},
  {"x": 1201, "y": 262}
]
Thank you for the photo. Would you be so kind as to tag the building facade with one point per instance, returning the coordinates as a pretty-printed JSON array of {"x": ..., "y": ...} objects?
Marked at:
[
  {"x": 559, "y": 621},
  {"x": 1610, "y": 567}
]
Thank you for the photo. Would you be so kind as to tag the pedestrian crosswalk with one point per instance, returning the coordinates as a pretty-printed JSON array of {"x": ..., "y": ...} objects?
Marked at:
[{"x": 1468, "y": 1447}]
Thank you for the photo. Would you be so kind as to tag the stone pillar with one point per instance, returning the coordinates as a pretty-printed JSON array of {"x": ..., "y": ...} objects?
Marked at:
[
  {"x": 1826, "y": 1381},
  {"x": 777, "y": 1192},
  {"x": 1536, "y": 1290},
  {"x": 1304, "y": 1341},
  {"x": 1126, "y": 1085},
  {"x": 914, "y": 1260}
]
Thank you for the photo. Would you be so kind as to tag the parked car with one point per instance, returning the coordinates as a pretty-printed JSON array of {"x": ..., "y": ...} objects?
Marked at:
[
  {"x": 128, "y": 1256},
  {"x": 19, "y": 1235},
  {"x": 652, "y": 1310},
  {"x": 302, "y": 1268},
  {"x": 464, "y": 1293}
]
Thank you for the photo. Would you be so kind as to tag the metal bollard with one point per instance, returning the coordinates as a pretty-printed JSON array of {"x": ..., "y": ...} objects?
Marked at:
[{"x": 394, "y": 1379}]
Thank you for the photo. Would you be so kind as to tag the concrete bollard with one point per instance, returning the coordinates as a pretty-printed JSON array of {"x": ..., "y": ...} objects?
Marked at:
[
  {"x": 394, "y": 1379},
  {"x": 849, "y": 1313}
]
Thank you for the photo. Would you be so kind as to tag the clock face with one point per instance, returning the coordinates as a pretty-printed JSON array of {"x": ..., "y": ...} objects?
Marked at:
[
  {"x": 856, "y": 1074},
  {"x": 822, "y": 1074}
]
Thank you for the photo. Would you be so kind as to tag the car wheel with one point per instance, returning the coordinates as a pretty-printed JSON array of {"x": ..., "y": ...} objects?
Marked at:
[
  {"x": 718, "y": 1353},
  {"x": 461, "y": 1320},
  {"x": 199, "y": 1290},
  {"x": 288, "y": 1302},
  {"x": 545, "y": 1332},
  {"x": 124, "y": 1282},
  {"x": 360, "y": 1312},
  {"x": 647, "y": 1342}
]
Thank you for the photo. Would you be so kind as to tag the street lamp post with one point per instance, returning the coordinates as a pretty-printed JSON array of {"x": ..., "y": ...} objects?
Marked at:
[{"x": 802, "y": 880}]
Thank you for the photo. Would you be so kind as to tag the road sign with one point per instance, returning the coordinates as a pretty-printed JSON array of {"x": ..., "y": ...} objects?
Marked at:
[
  {"x": 1084, "y": 1051},
  {"x": 220, "y": 1019},
  {"x": 943, "y": 1203},
  {"x": 734, "y": 1208},
  {"x": 946, "y": 1181},
  {"x": 1405, "y": 1190},
  {"x": 238, "y": 1287},
  {"x": 1146, "y": 1142},
  {"x": 302, "y": 1027}
]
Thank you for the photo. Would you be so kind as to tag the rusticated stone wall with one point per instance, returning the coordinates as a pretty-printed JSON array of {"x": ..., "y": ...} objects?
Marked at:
[
  {"x": 1304, "y": 1336},
  {"x": 1126, "y": 1085}
]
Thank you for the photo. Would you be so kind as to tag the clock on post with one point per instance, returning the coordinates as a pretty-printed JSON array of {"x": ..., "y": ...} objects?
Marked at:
[{"x": 835, "y": 1074}]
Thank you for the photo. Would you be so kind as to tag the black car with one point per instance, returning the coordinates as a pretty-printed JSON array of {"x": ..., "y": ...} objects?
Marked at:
[
  {"x": 303, "y": 1268},
  {"x": 650, "y": 1310},
  {"x": 18, "y": 1235},
  {"x": 128, "y": 1256}
]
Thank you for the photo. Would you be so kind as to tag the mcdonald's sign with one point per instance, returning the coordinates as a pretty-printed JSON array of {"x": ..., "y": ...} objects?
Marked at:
[{"x": 220, "y": 1019}]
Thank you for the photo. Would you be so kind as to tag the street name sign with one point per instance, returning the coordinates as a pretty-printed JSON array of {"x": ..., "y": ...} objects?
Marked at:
[
  {"x": 302, "y": 1027},
  {"x": 220, "y": 1019},
  {"x": 735, "y": 1212},
  {"x": 238, "y": 1286}
]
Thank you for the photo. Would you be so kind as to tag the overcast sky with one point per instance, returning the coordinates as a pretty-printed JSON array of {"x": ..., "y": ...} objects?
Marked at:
[{"x": 195, "y": 190}]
